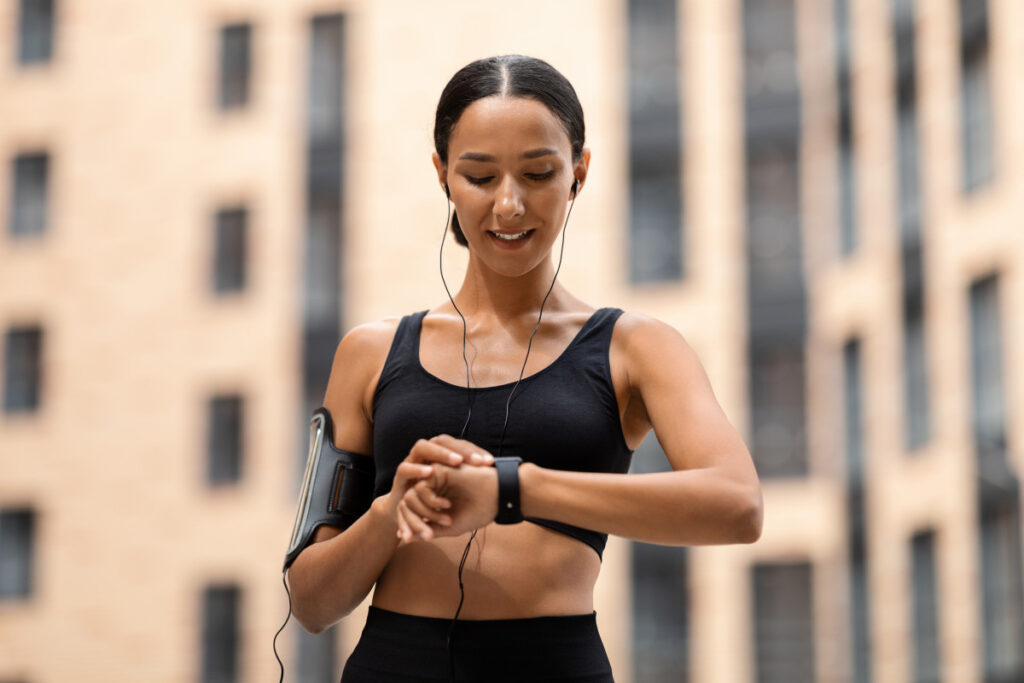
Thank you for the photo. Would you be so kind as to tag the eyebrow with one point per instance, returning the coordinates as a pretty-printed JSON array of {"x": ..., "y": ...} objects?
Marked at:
[{"x": 531, "y": 154}]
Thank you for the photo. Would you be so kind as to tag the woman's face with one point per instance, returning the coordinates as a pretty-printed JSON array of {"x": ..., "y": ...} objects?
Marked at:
[{"x": 510, "y": 173}]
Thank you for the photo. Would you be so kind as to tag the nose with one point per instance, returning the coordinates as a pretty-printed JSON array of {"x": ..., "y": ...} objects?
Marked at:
[{"x": 508, "y": 200}]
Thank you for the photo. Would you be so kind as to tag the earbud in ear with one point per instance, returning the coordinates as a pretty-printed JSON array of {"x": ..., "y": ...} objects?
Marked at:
[
  {"x": 575, "y": 187},
  {"x": 447, "y": 192}
]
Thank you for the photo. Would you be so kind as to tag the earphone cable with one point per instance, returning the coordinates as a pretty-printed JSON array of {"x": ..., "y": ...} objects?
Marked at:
[
  {"x": 286, "y": 617},
  {"x": 465, "y": 360},
  {"x": 449, "y": 644},
  {"x": 529, "y": 344}
]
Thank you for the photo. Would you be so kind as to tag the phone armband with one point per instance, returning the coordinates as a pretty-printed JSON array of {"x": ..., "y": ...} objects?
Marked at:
[{"x": 337, "y": 486}]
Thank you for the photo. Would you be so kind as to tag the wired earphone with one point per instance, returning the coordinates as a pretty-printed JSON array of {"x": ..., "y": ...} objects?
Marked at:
[
  {"x": 469, "y": 394},
  {"x": 469, "y": 414}
]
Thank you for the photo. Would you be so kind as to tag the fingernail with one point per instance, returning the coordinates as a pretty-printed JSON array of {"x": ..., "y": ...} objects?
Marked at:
[
  {"x": 446, "y": 521},
  {"x": 454, "y": 458},
  {"x": 424, "y": 535}
]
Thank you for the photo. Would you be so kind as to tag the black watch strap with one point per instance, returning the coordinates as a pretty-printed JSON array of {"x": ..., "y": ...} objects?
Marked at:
[{"x": 509, "y": 511}]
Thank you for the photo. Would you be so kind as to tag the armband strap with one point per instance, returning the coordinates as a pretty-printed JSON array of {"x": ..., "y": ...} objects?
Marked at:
[
  {"x": 337, "y": 487},
  {"x": 509, "y": 511}
]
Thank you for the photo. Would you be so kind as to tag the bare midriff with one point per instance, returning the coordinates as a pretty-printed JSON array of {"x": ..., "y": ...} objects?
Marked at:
[{"x": 512, "y": 572}]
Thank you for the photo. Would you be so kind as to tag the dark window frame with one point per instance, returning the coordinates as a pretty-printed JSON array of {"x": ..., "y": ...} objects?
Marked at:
[
  {"x": 24, "y": 348},
  {"x": 221, "y": 637},
  {"x": 235, "y": 66},
  {"x": 36, "y": 32},
  {"x": 226, "y": 439},
  {"x": 30, "y": 198},
  {"x": 657, "y": 231},
  {"x": 231, "y": 249},
  {"x": 18, "y": 549}
]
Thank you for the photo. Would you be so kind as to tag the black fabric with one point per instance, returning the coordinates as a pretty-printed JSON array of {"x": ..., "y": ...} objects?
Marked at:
[
  {"x": 563, "y": 417},
  {"x": 400, "y": 648}
]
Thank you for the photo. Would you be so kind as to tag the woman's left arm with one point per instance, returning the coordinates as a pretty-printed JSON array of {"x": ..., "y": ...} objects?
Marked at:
[{"x": 711, "y": 496}]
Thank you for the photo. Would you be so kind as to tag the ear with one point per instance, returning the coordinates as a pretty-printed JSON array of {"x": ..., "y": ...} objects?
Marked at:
[
  {"x": 442, "y": 170},
  {"x": 580, "y": 168}
]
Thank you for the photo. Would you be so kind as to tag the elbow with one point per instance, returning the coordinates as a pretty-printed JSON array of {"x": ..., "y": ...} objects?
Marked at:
[
  {"x": 309, "y": 617},
  {"x": 749, "y": 517},
  {"x": 307, "y": 607}
]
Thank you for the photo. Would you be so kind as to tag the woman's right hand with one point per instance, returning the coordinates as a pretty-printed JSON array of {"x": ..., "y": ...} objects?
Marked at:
[{"x": 417, "y": 466}]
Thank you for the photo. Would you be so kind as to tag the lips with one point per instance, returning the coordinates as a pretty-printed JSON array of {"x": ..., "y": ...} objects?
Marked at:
[
  {"x": 507, "y": 239},
  {"x": 510, "y": 236}
]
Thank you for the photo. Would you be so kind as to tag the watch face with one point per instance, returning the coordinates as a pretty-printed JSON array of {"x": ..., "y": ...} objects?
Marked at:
[{"x": 316, "y": 437}]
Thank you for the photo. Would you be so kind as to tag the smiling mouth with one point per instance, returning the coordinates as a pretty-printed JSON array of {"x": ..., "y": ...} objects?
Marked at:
[{"x": 511, "y": 236}]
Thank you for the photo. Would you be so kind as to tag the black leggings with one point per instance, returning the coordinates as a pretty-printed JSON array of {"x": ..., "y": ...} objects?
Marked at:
[{"x": 399, "y": 648}]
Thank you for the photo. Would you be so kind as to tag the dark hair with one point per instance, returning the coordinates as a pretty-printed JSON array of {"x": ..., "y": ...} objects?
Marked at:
[{"x": 510, "y": 76}]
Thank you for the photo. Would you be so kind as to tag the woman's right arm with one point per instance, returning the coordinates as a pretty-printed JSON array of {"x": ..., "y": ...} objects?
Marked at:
[
  {"x": 332, "y": 576},
  {"x": 335, "y": 573}
]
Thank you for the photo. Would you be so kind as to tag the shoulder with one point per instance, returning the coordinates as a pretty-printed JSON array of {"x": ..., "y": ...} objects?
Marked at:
[
  {"x": 367, "y": 340},
  {"x": 360, "y": 356},
  {"x": 641, "y": 335},
  {"x": 647, "y": 346}
]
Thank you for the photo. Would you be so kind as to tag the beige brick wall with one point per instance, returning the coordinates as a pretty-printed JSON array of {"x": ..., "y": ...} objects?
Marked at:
[{"x": 135, "y": 344}]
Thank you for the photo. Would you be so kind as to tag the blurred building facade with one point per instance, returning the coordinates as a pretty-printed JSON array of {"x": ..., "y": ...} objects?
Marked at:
[{"x": 199, "y": 198}]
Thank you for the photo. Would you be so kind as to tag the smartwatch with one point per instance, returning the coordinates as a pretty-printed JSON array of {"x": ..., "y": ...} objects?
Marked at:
[{"x": 509, "y": 511}]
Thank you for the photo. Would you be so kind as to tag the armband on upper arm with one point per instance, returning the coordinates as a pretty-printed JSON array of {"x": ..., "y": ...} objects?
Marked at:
[{"x": 337, "y": 487}]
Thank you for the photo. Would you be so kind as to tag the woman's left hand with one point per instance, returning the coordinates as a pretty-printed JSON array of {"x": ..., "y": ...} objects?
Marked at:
[{"x": 472, "y": 493}]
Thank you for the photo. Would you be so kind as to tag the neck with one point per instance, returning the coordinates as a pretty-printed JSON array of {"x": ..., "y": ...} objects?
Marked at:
[{"x": 485, "y": 293}]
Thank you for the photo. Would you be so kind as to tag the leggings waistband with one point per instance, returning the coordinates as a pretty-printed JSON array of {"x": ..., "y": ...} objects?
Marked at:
[{"x": 397, "y": 647}]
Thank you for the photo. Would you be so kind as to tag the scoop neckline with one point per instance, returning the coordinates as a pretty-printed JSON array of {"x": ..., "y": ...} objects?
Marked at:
[{"x": 435, "y": 378}]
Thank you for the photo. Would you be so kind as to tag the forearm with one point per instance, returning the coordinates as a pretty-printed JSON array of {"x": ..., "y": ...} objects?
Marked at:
[
  {"x": 330, "y": 578},
  {"x": 686, "y": 507}
]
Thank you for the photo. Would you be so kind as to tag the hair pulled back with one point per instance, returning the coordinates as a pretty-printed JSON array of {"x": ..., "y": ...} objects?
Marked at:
[{"x": 509, "y": 76}]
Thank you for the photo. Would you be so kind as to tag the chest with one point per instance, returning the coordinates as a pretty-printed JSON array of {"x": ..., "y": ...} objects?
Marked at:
[{"x": 564, "y": 418}]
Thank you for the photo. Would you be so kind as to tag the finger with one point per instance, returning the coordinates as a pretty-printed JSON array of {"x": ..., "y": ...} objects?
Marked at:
[
  {"x": 415, "y": 522},
  {"x": 426, "y": 513},
  {"x": 470, "y": 452},
  {"x": 429, "y": 496},
  {"x": 404, "y": 533},
  {"x": 410, "y": 471},
  {"x": 425, "y": 451}
]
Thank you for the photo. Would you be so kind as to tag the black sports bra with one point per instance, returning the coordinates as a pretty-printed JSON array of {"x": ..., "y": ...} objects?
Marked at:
[{"x": 563, "y": 417}]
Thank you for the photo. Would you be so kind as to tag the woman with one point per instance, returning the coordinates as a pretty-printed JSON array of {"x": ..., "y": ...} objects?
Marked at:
[{"x": 569, "y": 389}]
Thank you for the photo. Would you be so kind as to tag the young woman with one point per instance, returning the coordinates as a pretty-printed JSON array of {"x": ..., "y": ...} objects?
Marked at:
[{"x": 512, "y": 365}]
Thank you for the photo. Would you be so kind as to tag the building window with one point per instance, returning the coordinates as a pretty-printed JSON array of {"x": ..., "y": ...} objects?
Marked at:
[
  {"x": 915, "y": 360},
  {"x": 925, "y": 607},
  {"x": 998, "y": 491},
  {"x": 776, "y": 302},
  {"x": 225, "y": 440},
  {"x": 661, "y": 603},
  {"x": 975, "y": 94},
  {"x": 235, "y": 65},
  {"x": 30, "y": 194},
  {"x": 783, "y": 623},
  {"x": 23, "y": 369},
  {"x": 323, "y": 300},
  {"x": 17, "y": 548},
  {"x": 35, "y": 31},
  {"x": 656, "y": 245},
  {"x": 317, "y": 658},
  {"x": 221, "y": 634},
  {"x": 856, "y": 524},
  {"x": 230, "y": 249},
  {"x": 844, "y": 143}
]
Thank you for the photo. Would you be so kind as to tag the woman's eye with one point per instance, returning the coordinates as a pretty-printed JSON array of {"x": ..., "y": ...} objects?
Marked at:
[
  {"x": 479, "y": 181},
  {"x": 540, "y": 176}
]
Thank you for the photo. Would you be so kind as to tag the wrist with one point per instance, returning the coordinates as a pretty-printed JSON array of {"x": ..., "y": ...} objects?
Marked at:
[
  {"x": 383, "y": 514},
  {"x": 529, "y": 474}
]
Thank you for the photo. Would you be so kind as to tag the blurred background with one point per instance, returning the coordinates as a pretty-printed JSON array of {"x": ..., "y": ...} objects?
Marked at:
[{"x": 198, "y": 198}]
